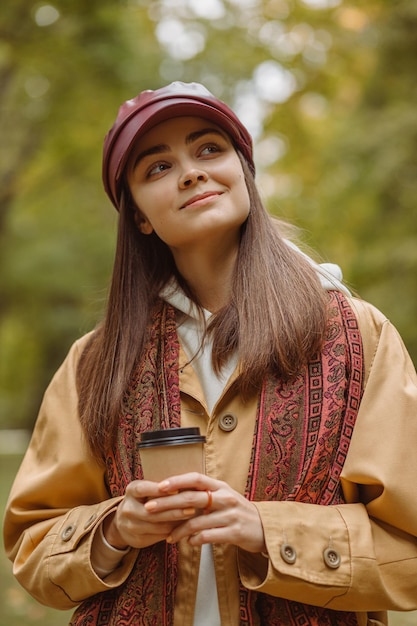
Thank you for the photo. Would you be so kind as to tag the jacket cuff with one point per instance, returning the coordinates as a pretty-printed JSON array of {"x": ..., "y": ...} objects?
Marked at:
[
  {"x": 306, "y": 544},
  {"x": 70, "y": 560},
  {"x": 105, "y": 558}
]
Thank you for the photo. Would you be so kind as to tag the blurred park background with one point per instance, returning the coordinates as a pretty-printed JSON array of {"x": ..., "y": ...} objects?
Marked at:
[{"x": 328, "y": 90}]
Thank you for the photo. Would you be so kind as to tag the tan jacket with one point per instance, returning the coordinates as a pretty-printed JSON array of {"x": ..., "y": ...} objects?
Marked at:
[{"x": 59, "y": 499}]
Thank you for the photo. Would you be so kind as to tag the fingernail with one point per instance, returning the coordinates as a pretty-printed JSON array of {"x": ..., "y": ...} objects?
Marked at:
[
  {"x": 189, "y": 511},
  {"x": 169, "y": 539},
  {"x": 164, "y": 484},
  {"x": 151, "y": 505}
]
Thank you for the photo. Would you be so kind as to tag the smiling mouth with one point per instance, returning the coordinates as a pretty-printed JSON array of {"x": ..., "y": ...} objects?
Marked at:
[{"x": 202, "y": 198}]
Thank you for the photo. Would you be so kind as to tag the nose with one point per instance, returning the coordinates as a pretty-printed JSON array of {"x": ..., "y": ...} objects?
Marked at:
[{"x": 192, "y": 176}]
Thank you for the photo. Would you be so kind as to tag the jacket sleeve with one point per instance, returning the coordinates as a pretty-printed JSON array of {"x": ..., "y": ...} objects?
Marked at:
[
  {"x": 362, "y": 555},
  {"x": 57, "y": 502}
]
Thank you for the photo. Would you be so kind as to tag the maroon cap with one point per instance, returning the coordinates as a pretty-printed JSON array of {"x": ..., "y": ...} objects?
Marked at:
[{"x": 137, "y": 116}]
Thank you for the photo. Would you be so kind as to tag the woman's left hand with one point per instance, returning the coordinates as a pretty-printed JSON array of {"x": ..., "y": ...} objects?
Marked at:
[{"x": 222, "y": 514}]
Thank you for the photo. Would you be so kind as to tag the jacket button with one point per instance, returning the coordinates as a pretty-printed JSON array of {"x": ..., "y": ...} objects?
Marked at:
[
  {"x": 68, "y": 532},
  {"x": 288, "y": 553},
  {"x": 332, "y": 558},
  {"x": 90, "y": 520},
  {"x": 227, "y": 422}
]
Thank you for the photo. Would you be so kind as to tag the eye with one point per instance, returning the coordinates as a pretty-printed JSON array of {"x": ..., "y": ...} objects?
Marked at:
[
  {"x": 157, "y": 168},
  {"x": 210, "y": 149}
]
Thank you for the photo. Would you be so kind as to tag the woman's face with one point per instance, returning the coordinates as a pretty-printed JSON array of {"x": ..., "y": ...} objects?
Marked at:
[{"x": 186, "y": 179}]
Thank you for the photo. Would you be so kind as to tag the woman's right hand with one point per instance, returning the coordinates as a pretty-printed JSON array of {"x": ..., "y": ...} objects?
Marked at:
[{"x": 131, "y": 525}]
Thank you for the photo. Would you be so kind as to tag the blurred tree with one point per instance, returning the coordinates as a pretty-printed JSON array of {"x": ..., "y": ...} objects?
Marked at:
[
  {"x": 349, "y": 176},
  {"x": 64, "y": 71},
  {"x": 379, "y": 144}
]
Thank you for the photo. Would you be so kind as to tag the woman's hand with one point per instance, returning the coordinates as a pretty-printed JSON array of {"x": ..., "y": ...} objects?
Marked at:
[
  {"x": 225, "y": 516},
  {"x": 135, "y": 525}
]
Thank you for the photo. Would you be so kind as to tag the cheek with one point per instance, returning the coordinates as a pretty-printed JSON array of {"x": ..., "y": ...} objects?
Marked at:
[
  {"x": 146, "y": 203},
  {"x": 243, "y": 193},
  {"x": 152, "y": 211},
  {"x": 235, "y": 177}
]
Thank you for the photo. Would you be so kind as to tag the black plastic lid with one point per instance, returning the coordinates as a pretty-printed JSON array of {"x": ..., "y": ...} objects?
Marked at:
[{"x": 171, "y": 437}]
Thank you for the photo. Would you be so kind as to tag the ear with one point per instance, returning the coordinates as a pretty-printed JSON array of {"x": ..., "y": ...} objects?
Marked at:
[{"x": 142, "y": 223}]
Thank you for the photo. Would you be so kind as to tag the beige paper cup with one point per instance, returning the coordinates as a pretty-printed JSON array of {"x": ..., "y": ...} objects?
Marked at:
[{"x": 172, "y": 451}]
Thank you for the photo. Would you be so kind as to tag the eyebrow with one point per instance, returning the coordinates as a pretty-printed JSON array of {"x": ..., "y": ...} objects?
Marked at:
[{"x": 162, "y": 147}]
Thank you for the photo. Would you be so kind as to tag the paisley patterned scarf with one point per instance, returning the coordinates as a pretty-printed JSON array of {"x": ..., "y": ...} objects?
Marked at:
[{"x": 300, "y": 443}]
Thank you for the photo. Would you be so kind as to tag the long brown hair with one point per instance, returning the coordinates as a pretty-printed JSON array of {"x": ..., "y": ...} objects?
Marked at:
[{"x": 275, "y": 319}]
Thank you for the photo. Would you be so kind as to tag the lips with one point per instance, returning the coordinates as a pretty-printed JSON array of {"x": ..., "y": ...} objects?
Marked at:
[{"x": 201, "y": 197}]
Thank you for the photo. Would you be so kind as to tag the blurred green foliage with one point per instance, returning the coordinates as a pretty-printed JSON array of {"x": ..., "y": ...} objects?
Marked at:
[{"x": 326, "y": 86}]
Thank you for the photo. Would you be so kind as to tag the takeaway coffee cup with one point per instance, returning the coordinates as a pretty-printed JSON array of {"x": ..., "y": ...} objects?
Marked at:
[{"x": 172, "y": 451}]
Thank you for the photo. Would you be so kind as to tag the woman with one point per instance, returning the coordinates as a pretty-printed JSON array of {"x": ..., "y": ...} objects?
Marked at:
[{"x": 306, "y": 396}]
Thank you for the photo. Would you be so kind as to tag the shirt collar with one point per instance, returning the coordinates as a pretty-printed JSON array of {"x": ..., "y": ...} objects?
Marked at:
[
  {"x": 174, "y": 295},
  {"x": 330, "y": 276}
]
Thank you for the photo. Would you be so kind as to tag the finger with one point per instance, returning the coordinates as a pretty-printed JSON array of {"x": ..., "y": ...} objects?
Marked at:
[
  {"x": 139, "y": 530},
  {"x": 196, "y": 530},
  {"x": 144, "y": 537},
  {"x": 137, "y": 511},
  {"x": 168, "y": 510},
  {"x": 189, "y": 502},
  {"x": 142, "y": 489},
  {"x": 238, "y": 525},
  {"x": 192, "y": 480}
]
